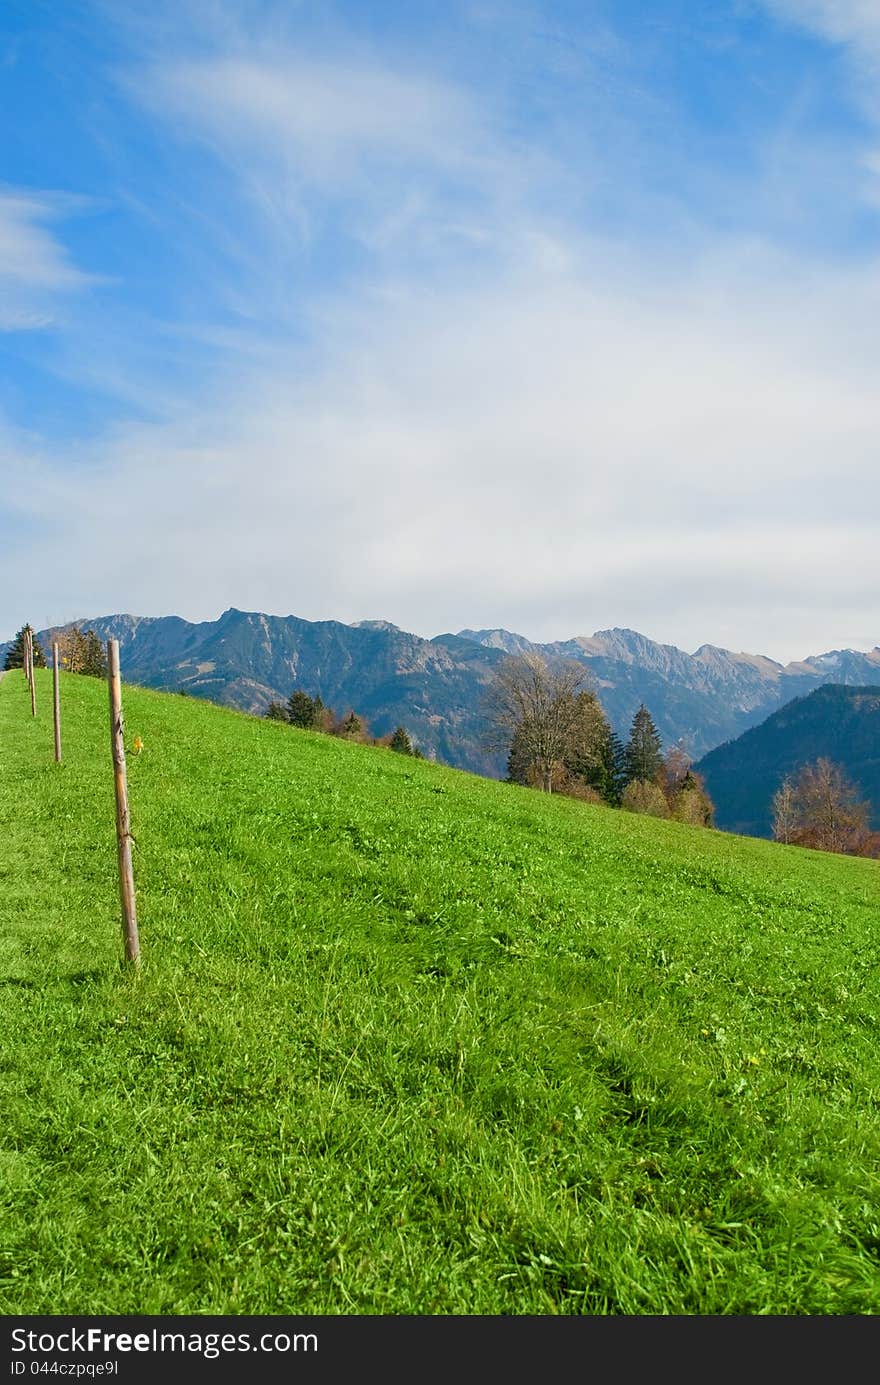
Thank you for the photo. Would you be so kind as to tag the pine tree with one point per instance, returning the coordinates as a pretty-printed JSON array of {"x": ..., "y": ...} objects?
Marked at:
[
  {"x": 607, "y": 776},
  {"x": 616, "y": 761},
  {"x": 400, "y": 741},
  {"x": 301, "y": 710},
  {"x": 15, "y": 652},
  {"x": 276, "y": 711},
  {"x": 643, "y": 757},
  {"x": 94, "y": 657}
]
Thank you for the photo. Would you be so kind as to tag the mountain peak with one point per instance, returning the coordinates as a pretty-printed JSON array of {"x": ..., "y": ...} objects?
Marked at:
[
  {"x": 507, "y": 640},
  {"x": 385, "y": 625}
]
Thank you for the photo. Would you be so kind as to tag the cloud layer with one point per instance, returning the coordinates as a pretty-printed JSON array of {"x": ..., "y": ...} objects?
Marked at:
[
  {"x": 440, "y": 392},
  {"x": 558, "y": 449}
]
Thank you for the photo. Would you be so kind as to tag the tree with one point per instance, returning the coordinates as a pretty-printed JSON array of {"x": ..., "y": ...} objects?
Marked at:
[
  {"x": 684, "y": 789},
  {"x": 532, "y": 712},
  {"x": 674, "y": 771},
  {"x": 94, "y": 657},
  {"x": 323, "y": 717},
  {"x": 400, "y": 741},
  {"x": 586, "y": 761},
  {"x": 15, "y": 652},
  {"x": 691, "y": 803},
  {"x": 644, "y": 796},
  {"x": 613, "y": 768},
  {"x": 643, "y": 757},
  {"x": 301, "y": 710},
  {"x": 82, "y": 652},
  {"x": 350, "y": 727},
  {"x": 785, "y": 811},
  {"x": 276, "y": 711},
  {"x": 824, "y": 810}
]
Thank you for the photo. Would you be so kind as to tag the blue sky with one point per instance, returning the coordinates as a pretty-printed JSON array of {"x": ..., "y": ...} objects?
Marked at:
[{"x": 555, "y": 316}]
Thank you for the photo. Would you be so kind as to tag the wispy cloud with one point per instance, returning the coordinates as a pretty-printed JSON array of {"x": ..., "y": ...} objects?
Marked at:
[
  {"x": 34, "y": 265},
  {"x": 855, "y": 22},
  {"x": 403, "y": 153}
]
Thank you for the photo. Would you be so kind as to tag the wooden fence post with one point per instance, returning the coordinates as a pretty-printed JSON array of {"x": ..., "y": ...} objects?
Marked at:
[
  {"x": 24, "y": 657},
  {"x": 123, "y": 821},
  {"x": 56, "y": 699},
  {"x": 31, "y": 673}
]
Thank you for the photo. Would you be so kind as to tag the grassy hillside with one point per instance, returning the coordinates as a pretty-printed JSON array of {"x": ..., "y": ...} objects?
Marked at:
[{"x": 407, "y": 1041}]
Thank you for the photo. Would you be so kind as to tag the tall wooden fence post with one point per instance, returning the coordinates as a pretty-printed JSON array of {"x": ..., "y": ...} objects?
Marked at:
[
  {"x": 56, "y": 698},
  {"x": 24, "y": 657},
  {"x": 123, "y": 821},
  {"x": 30, "y": 639}
]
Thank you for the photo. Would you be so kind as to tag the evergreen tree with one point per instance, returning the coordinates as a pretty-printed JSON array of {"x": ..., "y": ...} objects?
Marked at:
[
  {"x": 15, "y": 652},
  {"x": 276, "y": 711},
  {"x": 400, "y": 741},
  {"x": 643, "y": 757},
  {"x": 616, "y": 762},
  {"x": 607, "y": 777},
  {"x": 588, "y": 761},
  {"x": 94, "y": 657},
  {"x": 301, "y": 710}
]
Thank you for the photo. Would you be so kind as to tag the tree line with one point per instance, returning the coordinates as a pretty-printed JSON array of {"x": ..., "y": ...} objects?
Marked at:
[
  {"x": 310, "y": 714},
  {"x": 80, "y": 651},
  {"x": 550, "y": 723}
]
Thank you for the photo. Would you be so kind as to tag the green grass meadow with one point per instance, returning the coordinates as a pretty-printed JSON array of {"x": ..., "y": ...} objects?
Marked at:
[{"x": 406, "y": 1041}]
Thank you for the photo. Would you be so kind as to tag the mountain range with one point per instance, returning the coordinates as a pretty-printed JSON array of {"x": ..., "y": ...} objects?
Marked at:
[{"x": 436, "y": 687}]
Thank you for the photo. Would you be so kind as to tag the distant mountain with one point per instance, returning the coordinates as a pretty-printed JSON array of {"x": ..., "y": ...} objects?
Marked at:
[
  {"x": 436, "y": 687},
  {"x": 700, "y": 699},
  {"x": 842, "y": 723},
  {"x": 246, "y": 660}
]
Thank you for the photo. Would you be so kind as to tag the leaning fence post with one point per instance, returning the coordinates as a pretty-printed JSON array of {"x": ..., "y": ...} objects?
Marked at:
[
  {"x": 56, "y": 699},
  {"x": 123, "y": 821}
]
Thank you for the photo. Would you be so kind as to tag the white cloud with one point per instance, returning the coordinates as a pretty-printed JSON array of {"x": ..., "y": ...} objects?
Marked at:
[
  {"x": 34, "y": 265},
  {"x": 855, "y": 22},
  {"x": 853, "y": 25},
  {"x": 316, "y": 113},
  {"x": 300, "y": 134},
  {"x": 365, "y": 146},
  {"x": 560, "y": 451}
]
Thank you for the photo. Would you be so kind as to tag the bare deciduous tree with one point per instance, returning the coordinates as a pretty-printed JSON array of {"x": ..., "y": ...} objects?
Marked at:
[
  {"x": 535, "y": 704},
  {"x": 821, "y": 808},
  {"x": 784, "y": 812}
]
